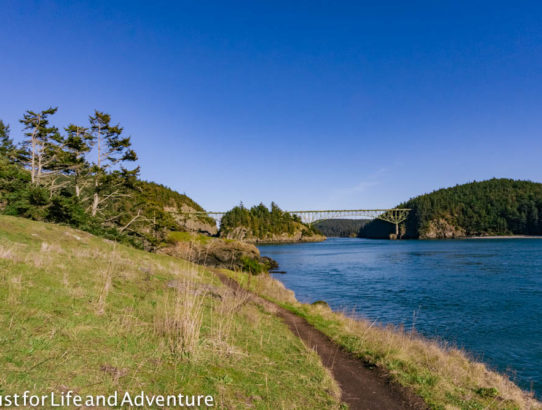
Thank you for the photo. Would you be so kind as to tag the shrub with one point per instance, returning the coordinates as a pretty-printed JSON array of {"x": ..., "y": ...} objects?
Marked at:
[{"x": 252, "y": 265}]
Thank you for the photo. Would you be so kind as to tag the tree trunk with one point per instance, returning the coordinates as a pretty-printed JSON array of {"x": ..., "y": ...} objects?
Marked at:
[
  {"x": 38, "y": 171},
  {"x": 33, "y": 163},
  {"x": 96, "y": 196},
  {"x": 95, "y": 203}
]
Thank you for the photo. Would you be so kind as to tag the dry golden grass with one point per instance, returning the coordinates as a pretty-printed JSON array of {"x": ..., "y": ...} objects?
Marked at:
[
  {"x": 14, "y": 290},
  {"x": 6, "y": 252},
  {"x": 453, "y": 370},
  {"x": 179, "y": 319},
  {"x": 229, "y": 304},
  {"x": 106, "y": 276}
]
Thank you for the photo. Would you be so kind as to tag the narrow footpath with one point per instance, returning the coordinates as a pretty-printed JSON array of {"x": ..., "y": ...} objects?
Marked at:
[{"x": 362, "y": 387}]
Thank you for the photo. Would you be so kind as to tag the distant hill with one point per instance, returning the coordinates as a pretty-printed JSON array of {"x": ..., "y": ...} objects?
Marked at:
[
  {"x": 343, "y": 228},
  {"x": 261, "y": 224},
  {"x": 492, "y": 207}
]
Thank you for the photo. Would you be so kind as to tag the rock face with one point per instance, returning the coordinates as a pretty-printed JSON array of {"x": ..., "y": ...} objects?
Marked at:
[
  {"x": 442, "y": 229},
  {"x": 191, "y": 223},
  {"x": 301, "y": 235},
  {"x": 216, "y": 252},
  {"x": 196, "y": 225}
]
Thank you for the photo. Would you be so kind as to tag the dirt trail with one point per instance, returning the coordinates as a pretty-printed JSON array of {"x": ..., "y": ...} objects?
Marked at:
[{"x": 362, "y": 387}]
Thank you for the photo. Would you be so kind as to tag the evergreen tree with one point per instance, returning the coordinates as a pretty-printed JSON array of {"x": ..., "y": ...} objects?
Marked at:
[
  {"x": 78, "y": 143},
  {"x": 112, "y": 151},
  {"x": 7, "y": 147},
  {"x": 43, "y": 144}
]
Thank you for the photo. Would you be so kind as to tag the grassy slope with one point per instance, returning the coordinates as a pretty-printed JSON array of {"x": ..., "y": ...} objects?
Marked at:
[
  {"x": 82, "y": 313},
  {"x": 444, "y": 377}
]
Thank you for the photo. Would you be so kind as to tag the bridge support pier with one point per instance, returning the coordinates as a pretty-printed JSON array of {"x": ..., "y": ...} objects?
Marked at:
[{"x": 395, "y": 216}]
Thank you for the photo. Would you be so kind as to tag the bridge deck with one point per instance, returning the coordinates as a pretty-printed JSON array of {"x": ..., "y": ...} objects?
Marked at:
[{"x": 392, "y": 215}]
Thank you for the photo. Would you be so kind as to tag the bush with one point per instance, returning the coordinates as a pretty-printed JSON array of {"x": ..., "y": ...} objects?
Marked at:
[
  {"x": 487, "y": 392},
  {"x": 67, "y": 210},
  {"x": 252, "y": 265}
]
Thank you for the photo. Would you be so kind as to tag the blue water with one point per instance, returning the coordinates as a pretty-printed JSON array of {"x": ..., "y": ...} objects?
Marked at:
[{"x": 483, "y": 295}]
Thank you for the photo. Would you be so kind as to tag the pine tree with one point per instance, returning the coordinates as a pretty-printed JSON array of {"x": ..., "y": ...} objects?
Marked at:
[
  {"x": 112, "y": 150},
  {"x": 78, "y": 143},
  {"x": 43, "y": 143},
  {"x": 7, "y": 147}
]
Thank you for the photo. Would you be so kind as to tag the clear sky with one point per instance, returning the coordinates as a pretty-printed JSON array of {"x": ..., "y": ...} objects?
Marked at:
[{"x": 312, "y": 104}]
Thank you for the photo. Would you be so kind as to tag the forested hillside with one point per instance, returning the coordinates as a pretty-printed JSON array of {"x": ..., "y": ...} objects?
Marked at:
[
  {"x": 261, "y": 224},
  {"x": 83, "y": 175},
  {"x": 493, "y": 207}
]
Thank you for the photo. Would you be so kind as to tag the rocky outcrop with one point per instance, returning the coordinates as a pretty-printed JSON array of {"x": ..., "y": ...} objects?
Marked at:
[
  {"x": 442, "y": 229},
  {"x": 301, "y": 235},
  {"x": 198, "y": 226},
  {"x": 190, "y": 223},
  {"x": 285, "y": 238},
  {"x": 217, "y": 252}
]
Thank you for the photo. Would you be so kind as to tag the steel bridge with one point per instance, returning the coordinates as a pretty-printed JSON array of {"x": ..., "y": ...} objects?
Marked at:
[{"x": 394, "y": 215}]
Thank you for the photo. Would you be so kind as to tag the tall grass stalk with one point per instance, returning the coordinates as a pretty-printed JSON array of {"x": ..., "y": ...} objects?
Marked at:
[{"x": 180, "y": 319}]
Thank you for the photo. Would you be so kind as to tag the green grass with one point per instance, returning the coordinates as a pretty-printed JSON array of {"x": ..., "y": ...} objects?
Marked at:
[
  {"x": 445, "y": 377},
  {"x": 83, "y": 313},
  {"x": 174, "y": 237}
]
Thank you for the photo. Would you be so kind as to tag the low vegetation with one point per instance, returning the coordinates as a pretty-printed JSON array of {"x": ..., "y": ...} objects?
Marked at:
[
  {"x": 86, "y": 314},
  {"x": 445, "y": 377},
  {"x": 493, "y": 207}
]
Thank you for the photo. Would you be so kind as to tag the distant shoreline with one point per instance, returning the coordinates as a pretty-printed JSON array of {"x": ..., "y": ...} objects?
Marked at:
[
  {"x": 307, "y": 239},
  {"x": 408, "y": 239},
  {"x": 504, "y": 237}
]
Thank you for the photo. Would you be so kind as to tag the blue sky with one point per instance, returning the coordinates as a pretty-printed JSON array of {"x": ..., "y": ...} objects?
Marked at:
[{"x": 311, "y": 104}]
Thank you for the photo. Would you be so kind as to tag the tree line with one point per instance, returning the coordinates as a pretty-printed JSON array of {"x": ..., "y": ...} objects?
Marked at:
[{"x": 83, "y": 175}]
